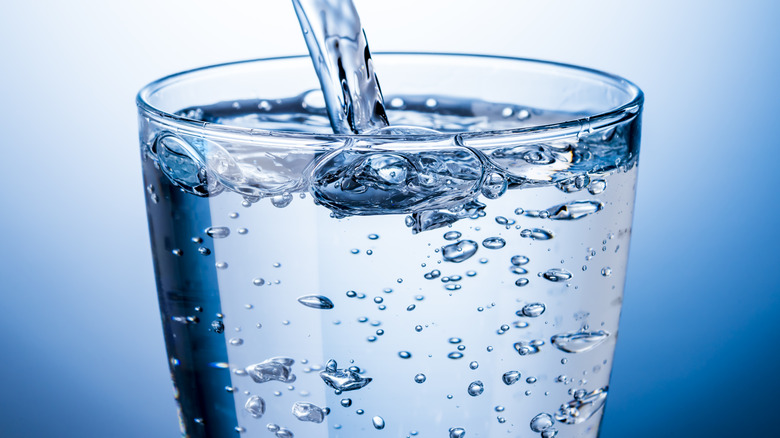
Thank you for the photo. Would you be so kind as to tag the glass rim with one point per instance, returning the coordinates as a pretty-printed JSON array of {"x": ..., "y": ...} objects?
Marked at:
[{"x": 574, "y": 126}]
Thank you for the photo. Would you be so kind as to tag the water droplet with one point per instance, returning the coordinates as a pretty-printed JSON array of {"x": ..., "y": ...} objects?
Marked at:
[
  {"x": 460, "y": 251},
  {"x": 606, "y": 272},
  {"x": 584, "y": 405},
  {"x": 242, "y": 231},
  {"x": 494, "y": 243},
  {"x": 177, "y": 252},
  {"x": 457, "y": 432},
  {"x": 204, "y": 251},
  {"x": 221, "y": 265},
  {"x": 346, "y": 402},
  {"x": 316, "y": 302},
  {"x": 217, "y": 232},
  {"x": 530, "y": 380},
  {"x": 236, "y": 341},
  {"x": 521, "y": 282},
  {"x": 549, "y": 433},
  {"x": 281, "y": 201},
  {"x": 557, "y": 274},
  {"x": 276, "y": 368},
  {"x": 574, "y": 210},
  {"x": 542, "y": 422},
  {"x": 419, "y": 378},
  {"x": 518, "y": 270},
  {"x": 532, "y": 310},
  {"x": 455, "y": 355},
  {"x": 217, "y": 326},
  {"x": 452, "y": 287},
  {"x": 537, "y": 234},
  {"x": 343, "y": 379},
  {"x": 405, "y": 355},
  {"x": 308, "y": 412},
  {"x": 580, "y": 341},
  {"x": 474, "y": 365},
  {"x": 373, "y": 236},
  {"x": 452, "y": 235},
  {"x": 511, "y": 377},
  {"x": 258, "y": 281},
  {"x": 410, "y": 307},
  {"x": 272, "y": 427},
  {"x": 519, "y": 260},
  {"x": 454, "y": 340},
  {"x": 461, "y": 347},
  {"x": 418, "y": 328},
  {"x": 597, "y": 186},
  {"x": 475, "y": 388},
  {"x": 525, "y": 348},
  {"x": 255, "y": 406}
]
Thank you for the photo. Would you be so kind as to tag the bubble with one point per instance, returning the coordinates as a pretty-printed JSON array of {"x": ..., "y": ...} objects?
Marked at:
[
  {"x": 255, "y": 406},
  {"x": 308, "y": 412},
  {"x": 574, "y": 210},
  {"x": 494, "y": 186},
  {"x": 346, "y": 402},
  {"x": 580, "y": 341},
  {"x": 419, "y": 378},
  {"x": 378, "y": 422},
  {"x": 525, "y": 348},
  {"x": 418, "y": 328},
  {"x": 537, "y": 234},
  {"x": 316, "y": 302},
  {"x": 519, "y": 260},
  {"x": 242, "y": 231},
  {"x": 397, "y": 102},
  {"x": 557, "y": 274},
  {"x": 405, "y": 355},
  {"x": 573, "y": 184},
  {"x": 217, "y": 326},
  {"x": 276, "y": 368},
  {"x": 452, "y": 287},
  {"x": 521, "y": 282},
  {"x": 461, "y": 347},
  {"x": 433, "y": 274},
  {"x": 236, "y": 341},
  {"x": 343, "y": 379},
  {"x": 471, "y": 273},
  {"x": 454, "y": 340},
  {"x": 494, "y": 243},
  {"x": 284, "y": 433},
  {"x": 519, "y": 211},
  {"x": 217, "y": 232},
  {"x": 410, "y": 307},
  {"x": 542, "y": 422},
  {"x": 510, "y": 377},
  {"x": 597, "y": 186},
  {"x": 606, "y": 272},
  {"x": 221, "y": 265},
  {"x": 584, "y": 405},
  {"x": 258, "y": 281},
  {"x": 457, "y": 432},
  {"x": 177, "y": 252},
  {"x": 431, "y": 103},
  {"x": 204, "y": 251},
  {"x": 455, "y": 355},
  {"x": 197, "y": 240},
  {"x": 373, "y": 236},
  {"x": 281, "y": 201},
  {"x": 532, "y": 310},
  {"x": 452, "y": 235},
  {"x": 549, "y": 433},
  {"x": 476, "y": 388},
  {"x": 272, "y": 427},
  {"x": 474, "y": 365},
  {"x": 460, "y": 251}
]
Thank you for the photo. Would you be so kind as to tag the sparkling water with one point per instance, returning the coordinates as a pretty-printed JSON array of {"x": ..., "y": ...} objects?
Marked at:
[{"x": 418, "y": 286}]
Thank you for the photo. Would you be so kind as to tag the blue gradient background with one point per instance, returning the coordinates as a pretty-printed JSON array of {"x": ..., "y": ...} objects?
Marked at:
[{"x": 81, "y": 350}]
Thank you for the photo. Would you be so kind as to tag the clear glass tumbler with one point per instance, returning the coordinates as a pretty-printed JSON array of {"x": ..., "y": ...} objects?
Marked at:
[{"x": 460, "y": 274}]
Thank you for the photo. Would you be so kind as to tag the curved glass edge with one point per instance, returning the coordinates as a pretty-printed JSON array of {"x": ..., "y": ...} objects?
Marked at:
[{"x": 531, "y": 133}]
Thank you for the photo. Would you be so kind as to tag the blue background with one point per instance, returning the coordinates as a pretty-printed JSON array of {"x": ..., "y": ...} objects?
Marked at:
[{"x": 81, "y": 350}]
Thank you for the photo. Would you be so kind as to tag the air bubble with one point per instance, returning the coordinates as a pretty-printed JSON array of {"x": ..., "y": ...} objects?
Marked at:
[
  {"x": 420, "y": 378},
  {"x": 494, "y": 243},
  {"x": 476, "y": 388}
]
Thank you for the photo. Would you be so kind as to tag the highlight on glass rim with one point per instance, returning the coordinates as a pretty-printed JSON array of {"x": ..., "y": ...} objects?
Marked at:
[{"x": 441, "y": 256}]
